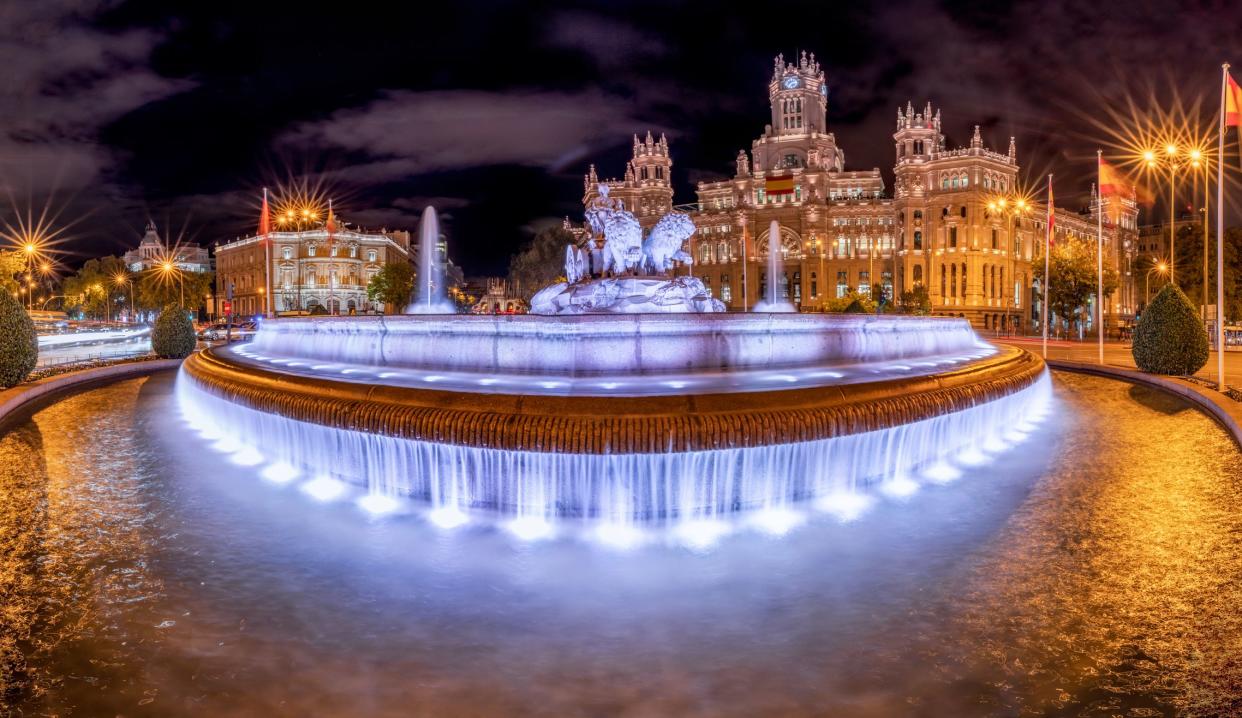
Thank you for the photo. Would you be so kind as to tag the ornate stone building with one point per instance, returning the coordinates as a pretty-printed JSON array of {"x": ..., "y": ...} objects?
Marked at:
[
  {"x": 841, "y": 230},
  {"x": 151, "y": 250},
  {"x": 308, "y": 270}
]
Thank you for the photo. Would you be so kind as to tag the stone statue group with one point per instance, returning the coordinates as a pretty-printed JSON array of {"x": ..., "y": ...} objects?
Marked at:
[
  {"x": 633, "y": 275},
  {"x": 624, "y": 249}
]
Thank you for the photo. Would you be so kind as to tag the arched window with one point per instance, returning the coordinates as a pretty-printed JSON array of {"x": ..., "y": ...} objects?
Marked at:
[
  {"x": 918, "y": 239},
  {"x": 944, "y": 182},
  {"x": 310, "y": 251},
  {"x": 918, "y": 274}
]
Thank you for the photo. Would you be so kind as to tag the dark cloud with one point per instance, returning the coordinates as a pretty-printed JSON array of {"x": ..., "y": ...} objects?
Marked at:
[
  {"x": 65, "y": 81},
  {"x": 182, "y": 111},
  {"x": 410, "y": 133}
]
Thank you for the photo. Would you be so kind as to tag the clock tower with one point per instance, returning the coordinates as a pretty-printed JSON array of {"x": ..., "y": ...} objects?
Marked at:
[{"x": 799, "y": 97}]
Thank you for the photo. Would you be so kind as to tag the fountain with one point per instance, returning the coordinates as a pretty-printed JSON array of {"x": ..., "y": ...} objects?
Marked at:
[
  {"x": 429, "y": 292},
  {"x": 631, "y": 400},
  {"x": 774, "y": 301}
]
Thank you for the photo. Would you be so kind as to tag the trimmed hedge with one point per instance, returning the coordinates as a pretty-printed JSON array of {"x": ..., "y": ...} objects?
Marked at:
[
  {"x": 19, "y": 345},
  {"x": 172, "y": 337},
  {"x": 1170, "y": 338},
  {"x": 856, "y": 307}
]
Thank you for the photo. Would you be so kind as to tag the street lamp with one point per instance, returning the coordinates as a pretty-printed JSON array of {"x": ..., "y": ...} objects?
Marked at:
[
  {"x": 1011, "y": 208},
  {"x": 1160, "y": 267},
  {"x": 1172, "y": 159},
  {"x": 169, "y": 269},
  {"x": 122, "y": 279}
]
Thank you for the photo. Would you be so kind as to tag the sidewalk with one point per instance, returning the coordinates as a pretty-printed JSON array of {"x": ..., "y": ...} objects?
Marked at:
[{"x": 1118, "y": 354}]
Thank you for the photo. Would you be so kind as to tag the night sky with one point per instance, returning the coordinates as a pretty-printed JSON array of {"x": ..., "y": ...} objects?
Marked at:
[{"x": 116, "y": 112}]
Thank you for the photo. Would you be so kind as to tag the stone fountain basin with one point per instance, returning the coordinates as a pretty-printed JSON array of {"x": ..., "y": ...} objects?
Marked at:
[{"x": 598, "y": 345}]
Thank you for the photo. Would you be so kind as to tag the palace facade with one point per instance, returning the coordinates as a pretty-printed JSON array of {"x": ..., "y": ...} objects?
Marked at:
[
  {"x": 308, "y": 270},
  {"x": 841, "y": 230},
  {"x": 151, "y": 251}
]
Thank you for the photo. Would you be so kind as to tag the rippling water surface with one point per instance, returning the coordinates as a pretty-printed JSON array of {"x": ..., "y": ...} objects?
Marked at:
[{"x": 1096, "y": 570}]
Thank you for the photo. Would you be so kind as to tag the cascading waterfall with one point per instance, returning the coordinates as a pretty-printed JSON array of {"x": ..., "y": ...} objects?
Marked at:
[
  {"x": 774, "y": 302},
  {"x": 618, "y": 490},
  {"x": 429, "y": 295}
]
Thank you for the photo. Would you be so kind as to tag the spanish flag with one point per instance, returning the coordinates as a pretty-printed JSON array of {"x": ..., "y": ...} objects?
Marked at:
[
  {"x": 1113, "y": 187},
  {"x": 775, "y": 186},
  {"x": 1233, "y": 108},
  {"x": 1233, "y": 102}
]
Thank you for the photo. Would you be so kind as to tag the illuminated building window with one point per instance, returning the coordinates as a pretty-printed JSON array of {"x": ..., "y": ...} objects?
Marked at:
[
  {"x": 843, "y": 283},
  {"x": 371, "y": 255},
  {"x": 287, "y": 252}
]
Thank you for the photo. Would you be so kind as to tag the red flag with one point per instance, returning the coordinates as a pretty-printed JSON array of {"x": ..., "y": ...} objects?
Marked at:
[{"x": 1233, "y": 102}]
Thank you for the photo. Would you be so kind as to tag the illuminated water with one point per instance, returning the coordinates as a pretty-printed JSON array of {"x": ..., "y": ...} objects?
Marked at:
[
  {"x": 617, "y": 491},
  {"x": 429, "y": 280},
  {"x": 1094, "y": 571}
]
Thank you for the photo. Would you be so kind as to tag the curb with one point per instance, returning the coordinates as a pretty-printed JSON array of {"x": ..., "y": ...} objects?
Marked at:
[
  {"x": 15, "y": 399},
  {"x": 1225, "y": 411}
]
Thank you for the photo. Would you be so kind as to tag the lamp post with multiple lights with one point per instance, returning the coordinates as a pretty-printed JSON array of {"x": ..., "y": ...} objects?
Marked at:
[
  {"x": 1011, "y": 208},
  {"x": 1171, "y": 160}
]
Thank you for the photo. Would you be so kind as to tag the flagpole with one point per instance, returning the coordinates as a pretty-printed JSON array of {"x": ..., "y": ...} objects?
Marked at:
[
  {"x": 1047, "y": 278},
  {"x": 1220, "y": 234},
  {"x": 267, "y": 258},
  {"x": 1099, "y": 254}
]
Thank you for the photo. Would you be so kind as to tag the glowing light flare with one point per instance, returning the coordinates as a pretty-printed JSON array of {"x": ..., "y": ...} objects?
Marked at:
[
  {"x": 844, "y": 505},
  {"x": 622, "y": 537},
  {"x": 448, "y": 517},
  {"x": 324, "y": 489},
  {"x": 379, "y": 504},
  {"x": 701, "y": 533},
  {"x": 531, "y": 528},
  {"x": 280, "y": 473},
  {"x": 777, "y": 520}
]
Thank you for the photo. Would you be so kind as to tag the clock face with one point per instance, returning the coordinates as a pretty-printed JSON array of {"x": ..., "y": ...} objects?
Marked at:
[{"x": 790, "y": 83}]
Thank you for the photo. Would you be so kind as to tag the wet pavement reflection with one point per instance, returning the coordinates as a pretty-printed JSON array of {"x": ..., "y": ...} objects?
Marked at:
[{"x": 1095, "y": 570}]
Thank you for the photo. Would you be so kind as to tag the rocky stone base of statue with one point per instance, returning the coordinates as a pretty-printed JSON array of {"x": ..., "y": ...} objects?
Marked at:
[{"x": 627, "y": 295}]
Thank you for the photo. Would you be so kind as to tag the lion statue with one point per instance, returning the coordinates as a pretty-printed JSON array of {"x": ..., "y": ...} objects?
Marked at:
[{"x": 664, "y": 243}]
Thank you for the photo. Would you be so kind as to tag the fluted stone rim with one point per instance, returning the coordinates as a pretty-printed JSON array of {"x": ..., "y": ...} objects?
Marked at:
[{"x": 615, "y": 425}]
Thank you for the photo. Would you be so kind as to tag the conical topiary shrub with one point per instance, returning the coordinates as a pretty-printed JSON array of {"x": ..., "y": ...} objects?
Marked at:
[
  {"x": 19, "y": 345},
  {"x": 172, "y": 337},
  {"x": 1170, "y": 338}
]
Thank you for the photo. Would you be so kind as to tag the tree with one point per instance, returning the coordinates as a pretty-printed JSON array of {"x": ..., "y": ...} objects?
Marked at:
[
  {"x": 915, "y": 301},
  {"x": 1074, "y": 281},
  {"x": 1170, "y": 338},
  {"x": 158, "y": 288},
  {"x": 172, "y": 337},
  {"x": 1188, "y": 268},
  {"x": 90, "y": 289},
  {"x": 854, "y": 302},
  {"x": 19, "y": 345},
  {"x": 392, "y": 285},
  {"x": 12, "y": 263},
  {"x": 540, "y": 262}
]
